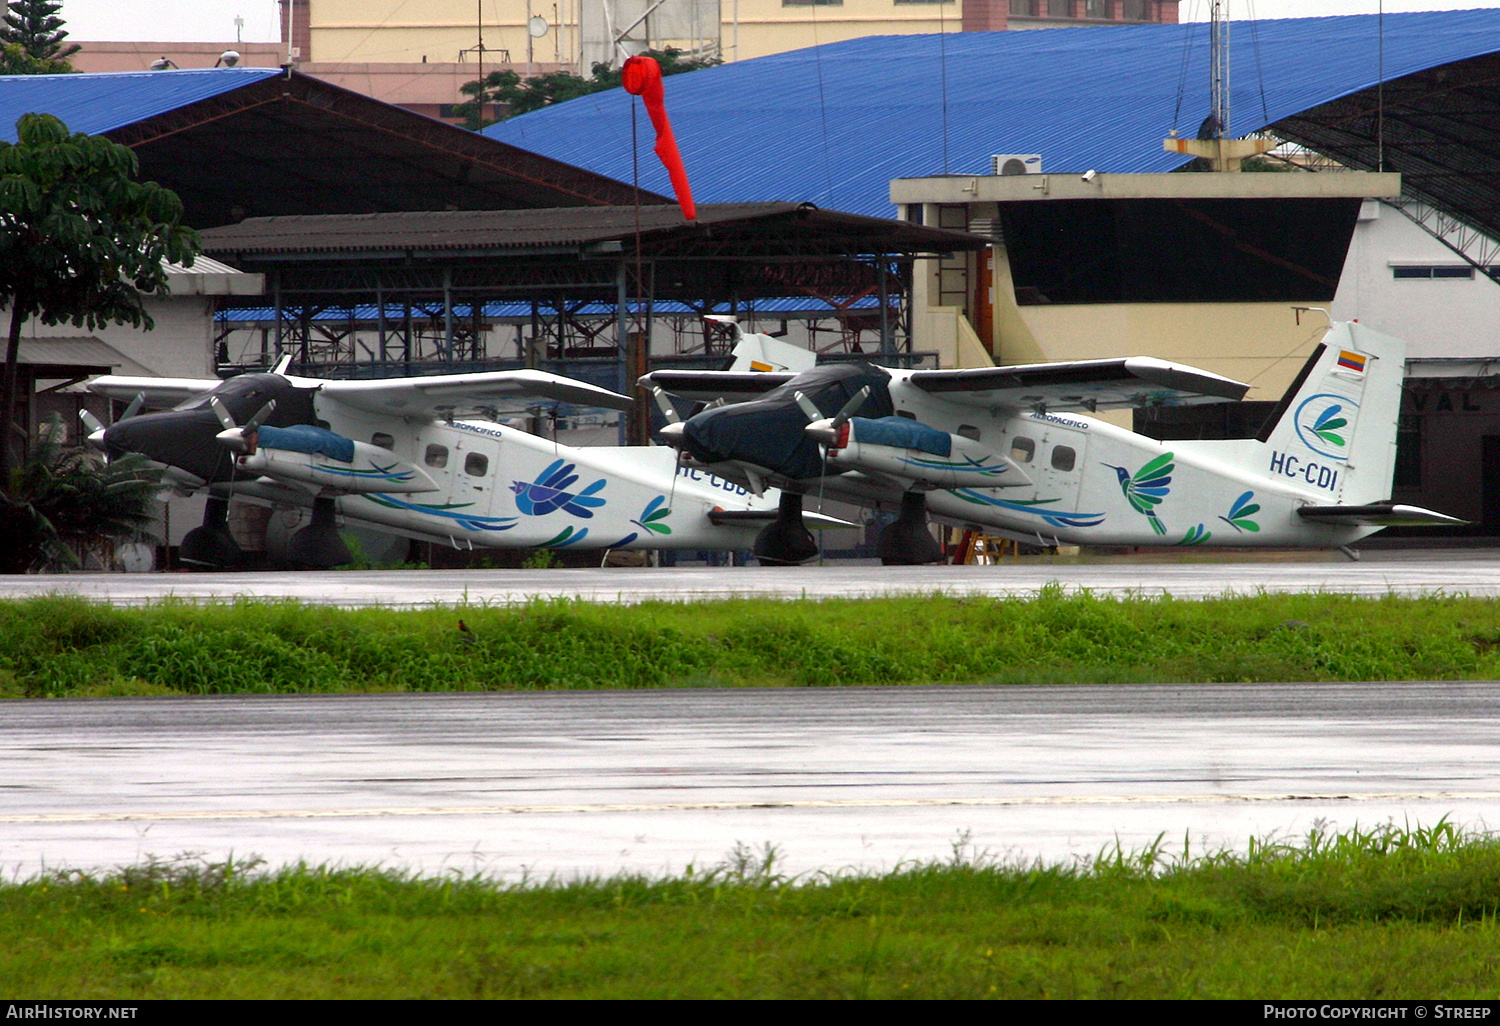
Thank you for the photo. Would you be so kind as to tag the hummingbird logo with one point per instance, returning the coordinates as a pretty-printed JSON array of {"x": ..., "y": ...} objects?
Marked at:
[{"x": 1147, "y": 487}]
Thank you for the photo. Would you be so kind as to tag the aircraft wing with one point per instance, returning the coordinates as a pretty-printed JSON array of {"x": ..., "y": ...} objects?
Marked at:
[
  {"x": 1083, "y": 384},
  {"x": 706, "y": 386},
  {"x": 160, "y": 393},
  {"x": 439, "y": 394}
]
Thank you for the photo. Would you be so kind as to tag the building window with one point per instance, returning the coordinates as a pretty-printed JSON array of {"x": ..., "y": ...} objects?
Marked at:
[
  {"x": 812, "y": 3},
  {"x": 1098, "y": 9},
  {"x": 1059, "y": 8},
  {"x": 1023, "y": 8},
  {"x": 1432, "y": 271},
  {"x": 1137, "y": 10},
  {"x": 900, "y": 2}
]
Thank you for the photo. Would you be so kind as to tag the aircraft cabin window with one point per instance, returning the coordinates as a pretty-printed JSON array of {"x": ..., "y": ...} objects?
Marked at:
[
  {"x": 969, "y": 431},
  {"x": 383, "y": 440},
  {"x": 1022, "y": 449},
  {"x": 1063, "y": 457},
  {"x": 476, "y": 464},
  {"x": 437, "y": 455},
  {"x": 907, "y": 414}
]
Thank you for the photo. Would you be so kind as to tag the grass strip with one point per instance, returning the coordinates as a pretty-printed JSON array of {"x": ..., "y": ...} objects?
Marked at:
[
  {"x": 62, "y": 646},
  {"x": 1386, "y": 913}
]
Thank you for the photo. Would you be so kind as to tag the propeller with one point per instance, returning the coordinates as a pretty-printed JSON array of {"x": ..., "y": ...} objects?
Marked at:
[
  {"x": 240, "y": 439},
  {"x": 96, "y": 426},
  {"x": 672, "y": 430},
  {"x": 671, "y": 433},
  {"x": 825, "y": 430}
]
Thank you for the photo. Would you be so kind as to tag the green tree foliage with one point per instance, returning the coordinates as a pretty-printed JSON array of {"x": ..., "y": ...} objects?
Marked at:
[
  {"x": 60, "y": 505},
  {"x": 80, "y": 241},
  {"x": 31, "y": 39},
  {"x": 522, "y": 95}
]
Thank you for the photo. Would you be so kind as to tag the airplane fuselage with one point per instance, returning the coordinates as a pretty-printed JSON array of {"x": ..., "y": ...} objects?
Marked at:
[
  {"x": 1082, "y": 469},
  {"x": 493, "y": 485}
]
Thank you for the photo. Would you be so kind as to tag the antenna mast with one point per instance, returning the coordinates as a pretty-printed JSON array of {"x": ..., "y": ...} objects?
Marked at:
[
  {"x": 1224, "y": 151},
  {"x": 1219, "y": 73}
]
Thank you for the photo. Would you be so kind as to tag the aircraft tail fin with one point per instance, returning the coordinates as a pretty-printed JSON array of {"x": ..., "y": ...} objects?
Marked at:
[
  {"x": 1335, "y": 429},
  {"x": 767, "y": 355}
]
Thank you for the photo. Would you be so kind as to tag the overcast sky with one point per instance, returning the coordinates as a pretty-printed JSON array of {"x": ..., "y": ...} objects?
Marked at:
[{"x": 213, "y": 20}]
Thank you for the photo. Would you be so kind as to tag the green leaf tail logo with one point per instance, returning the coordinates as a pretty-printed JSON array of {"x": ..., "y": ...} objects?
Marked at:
[{"x": 1240, "y": 513}]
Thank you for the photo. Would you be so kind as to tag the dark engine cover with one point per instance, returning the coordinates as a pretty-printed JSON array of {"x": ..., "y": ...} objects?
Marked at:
[{"x": 771, "y": 432}]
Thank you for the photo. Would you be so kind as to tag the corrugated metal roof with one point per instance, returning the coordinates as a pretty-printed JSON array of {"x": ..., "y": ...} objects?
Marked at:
[
  {"x": 80, "y": 352},
  {"x": 520, "y": 311},
  {"x": 201, "y": 265},
  {"x": 556, "y": 228},
  {"x": 834, "y": 124},
  {"x": 99, "y": 103}
]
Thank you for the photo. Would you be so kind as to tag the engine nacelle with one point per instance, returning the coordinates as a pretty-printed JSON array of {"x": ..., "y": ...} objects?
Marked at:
[
  {"x": 932, "y": 459},
  {"x": 368, "y": 468}
]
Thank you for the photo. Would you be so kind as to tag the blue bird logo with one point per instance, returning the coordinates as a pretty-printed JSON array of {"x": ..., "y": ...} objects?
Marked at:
[
  {"x": 550, "y": 492},
  {"x": 1147, "y": 487}
]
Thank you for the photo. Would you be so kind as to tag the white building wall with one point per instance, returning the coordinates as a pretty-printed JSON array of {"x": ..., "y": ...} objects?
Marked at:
[
  {"x": 1440, "y": 318},
  {"x": 180, "y": 345}
]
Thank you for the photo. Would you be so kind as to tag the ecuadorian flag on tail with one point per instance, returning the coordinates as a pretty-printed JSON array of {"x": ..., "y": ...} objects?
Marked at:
[{"x": 1351, "y": 362}]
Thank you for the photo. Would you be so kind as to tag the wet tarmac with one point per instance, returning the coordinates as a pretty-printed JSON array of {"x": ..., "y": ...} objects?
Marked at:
[
  {"x": 593, "y": 783},
  {"x": 1378, "y": 572}
]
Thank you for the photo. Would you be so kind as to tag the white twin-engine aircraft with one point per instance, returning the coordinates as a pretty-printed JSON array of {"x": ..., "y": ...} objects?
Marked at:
[
  {"x": 1012, "y": 451},
  {"x": 389, "y": 454}
]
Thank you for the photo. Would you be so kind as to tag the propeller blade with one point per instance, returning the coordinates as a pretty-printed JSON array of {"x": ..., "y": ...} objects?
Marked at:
[
  {"x": 852, "y": 405},
  {"x": 667, "y": 409},
  {"x": 95, "y": 429},
  {"x": 806, "y": 405},
  {"x": 222, "y": 413},
  {"x": 134, "y": 407},
  {"x": 261, "y": 415}
]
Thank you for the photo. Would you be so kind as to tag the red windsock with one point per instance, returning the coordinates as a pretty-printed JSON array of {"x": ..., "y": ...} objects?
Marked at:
[{"x": 641, "y": 77}]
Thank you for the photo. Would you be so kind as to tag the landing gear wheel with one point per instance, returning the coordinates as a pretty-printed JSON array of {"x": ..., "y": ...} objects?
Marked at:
[
  {"x": 211, "y": 546},
  {"x": 907, "y": 540},
  {"x": 318, "y": 545},
  {"x": 785, "y": 541}
]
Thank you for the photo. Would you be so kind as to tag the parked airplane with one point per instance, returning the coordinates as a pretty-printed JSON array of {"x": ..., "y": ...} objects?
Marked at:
[
  {"x": 1012, "y": 451},
  {"x": 389, "y": 454}
]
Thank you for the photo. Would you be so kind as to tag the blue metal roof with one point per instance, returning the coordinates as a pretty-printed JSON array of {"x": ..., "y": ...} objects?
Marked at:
[
  {"x": 395, "y": 313},
  {"x": 834, "y": 124},
  {"x": 99, "y": 103}
]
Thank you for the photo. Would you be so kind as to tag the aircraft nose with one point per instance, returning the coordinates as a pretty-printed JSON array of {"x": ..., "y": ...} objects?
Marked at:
[{"x": 762, "y": 434}]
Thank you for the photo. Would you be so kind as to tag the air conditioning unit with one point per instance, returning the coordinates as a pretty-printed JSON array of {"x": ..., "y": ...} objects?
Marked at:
[{"x": 1016, "y": 164}]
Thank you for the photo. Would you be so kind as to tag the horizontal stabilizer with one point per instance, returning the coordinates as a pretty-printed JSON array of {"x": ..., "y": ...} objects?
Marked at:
[
  {"x": 814, "y": 521},
  {"x": 1378, "y": 514}
]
